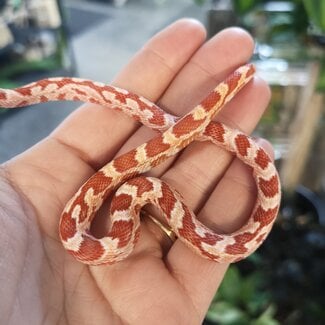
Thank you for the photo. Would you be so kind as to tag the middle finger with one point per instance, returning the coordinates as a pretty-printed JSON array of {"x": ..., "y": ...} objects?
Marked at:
[{"x": 211, "y": 64}]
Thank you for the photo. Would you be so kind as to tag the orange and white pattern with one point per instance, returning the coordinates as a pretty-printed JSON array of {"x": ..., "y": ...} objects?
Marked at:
[{"x": 134, "y": 191}]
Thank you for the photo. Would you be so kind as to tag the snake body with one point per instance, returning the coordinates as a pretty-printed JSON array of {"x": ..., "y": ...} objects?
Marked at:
[{"x": 132, "y": 191}]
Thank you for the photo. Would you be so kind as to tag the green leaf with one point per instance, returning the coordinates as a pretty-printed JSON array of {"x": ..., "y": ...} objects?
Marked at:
[
  {"x": 242, "y": 7},
  {"x": 267, "y": 317},
  {"x": 258, "y": 302},
  {"x": 250, "y": 286},
  {"x": 226, "y": 314},
  {"x": 316, "y": 12},
  {"x": 231, "y": 287},
  {"x": 321, "y": 77}
]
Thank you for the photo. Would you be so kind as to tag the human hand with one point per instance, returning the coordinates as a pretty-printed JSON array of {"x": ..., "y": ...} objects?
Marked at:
[{"x": 159, "y": 282}]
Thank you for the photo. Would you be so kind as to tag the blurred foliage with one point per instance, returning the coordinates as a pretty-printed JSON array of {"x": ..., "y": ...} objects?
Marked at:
[
  {"x": 241, "y": 300},
  {"x": 200, "y": 2},
  {"x": 305, "y": 12},
  {"x": 278, "y": 25},
  {"x": 299, "y": 28},
  {"x": 305, "y": 18},
  {"x": 321, "y": 79},
  {"x": 316, "y": 12},
  {"x": 243, "y": 7}
]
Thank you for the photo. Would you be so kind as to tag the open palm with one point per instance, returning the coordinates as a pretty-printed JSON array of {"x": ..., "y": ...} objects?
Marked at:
[{"x": 161, "y": 282}]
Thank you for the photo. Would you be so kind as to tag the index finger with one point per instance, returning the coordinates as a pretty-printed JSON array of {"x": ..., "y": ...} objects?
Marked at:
[{"x": 148, "y": 74}]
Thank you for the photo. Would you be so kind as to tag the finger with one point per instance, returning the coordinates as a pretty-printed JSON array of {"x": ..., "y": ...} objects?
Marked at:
[
  {"x": 148, "y": 74},
  {"x": 201, "y": 165},
  {"x": 211, "y": 64},
  {"x": 230, "y": 204}
]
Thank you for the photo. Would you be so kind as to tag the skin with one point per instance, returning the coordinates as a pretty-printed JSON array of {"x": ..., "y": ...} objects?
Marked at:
[{"x": 161, "y": 282}]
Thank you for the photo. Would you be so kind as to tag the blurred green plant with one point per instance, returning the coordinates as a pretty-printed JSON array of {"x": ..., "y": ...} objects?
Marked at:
[
  {"x": 306, "y": 16},
  {"x": 296, "y": 27},
  {"x": 242, "y": 7},
  {"x": 241, "y": 300},
  {"x": 316, "y": 12},
  {"x": 285, "y": 21},
  {"x": 200, "y": 2},
  {"x": 305, "y": 12}
]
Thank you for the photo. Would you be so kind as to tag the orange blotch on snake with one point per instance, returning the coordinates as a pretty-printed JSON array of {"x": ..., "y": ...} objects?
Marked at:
[
  {"x": 98, "y": 183},
  {"x": 119, "y": 96},
  {"x": 242, "y": 144},
  {"x": 67, "y": 226},
  {"x": 233, "y": 82},
  {"x": 157, "y": 118},
  {"x": 240, "y": 240},
  {"x": 210, "y": 101},
  {"x": 3, "y": 95},
  {"x": 61, "y": 97},
  {"x": 156, "y": 146},
  {"x": 262, "y": 159},
  {"x": 121, "y": 202},
  {"x": 186, "y": 125},
  {"x": 122, "y": 230},
  {"x": 216, "y": 131},
  {"x": 167, "y": 200},
  {"x": 26, "y": 91},
  {"x": 265, "y": 216},
  {"x": 143, "y": 185},
  {"x": 270, "y": 187},
  {"x": 90, "y": 249},
  {"x": 44, "y": 83},
  {"x": 125, "y": 161}
]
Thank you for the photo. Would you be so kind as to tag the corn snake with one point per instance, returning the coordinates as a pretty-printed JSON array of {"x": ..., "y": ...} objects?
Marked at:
[{"x": 137, "y": 191}]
